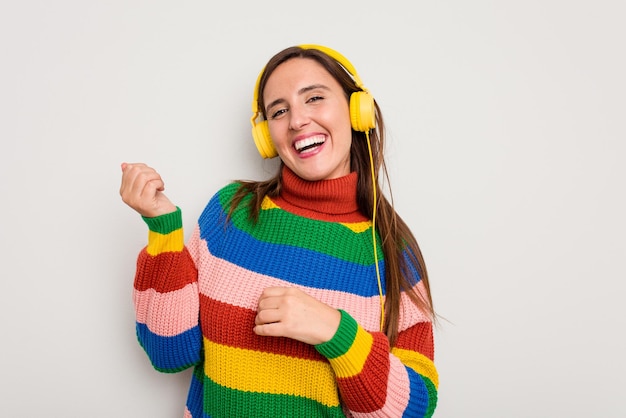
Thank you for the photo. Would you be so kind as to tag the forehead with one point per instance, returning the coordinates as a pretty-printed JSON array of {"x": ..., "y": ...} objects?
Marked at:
[{"x": 296, "y": 74}]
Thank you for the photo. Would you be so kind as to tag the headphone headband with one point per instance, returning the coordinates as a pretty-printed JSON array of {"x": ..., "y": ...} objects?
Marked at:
[
  {"x": 347, "y": 65},
  {"x": 340, "y": 59}
]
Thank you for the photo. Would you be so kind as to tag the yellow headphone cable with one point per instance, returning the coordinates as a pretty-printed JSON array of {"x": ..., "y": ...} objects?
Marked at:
[{"x": 375, "y": 202}]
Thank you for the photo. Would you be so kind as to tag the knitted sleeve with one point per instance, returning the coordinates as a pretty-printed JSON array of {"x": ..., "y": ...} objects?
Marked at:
[
  {"x": 166, "y": 297},
  {"x": 376, "y": 380}
]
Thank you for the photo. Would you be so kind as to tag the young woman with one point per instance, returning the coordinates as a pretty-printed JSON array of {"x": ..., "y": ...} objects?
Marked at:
[{"x": 302, "y": 296}]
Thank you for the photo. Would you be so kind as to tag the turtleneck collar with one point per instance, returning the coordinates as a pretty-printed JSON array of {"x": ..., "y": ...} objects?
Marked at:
[{"x": 329, "y": 200}]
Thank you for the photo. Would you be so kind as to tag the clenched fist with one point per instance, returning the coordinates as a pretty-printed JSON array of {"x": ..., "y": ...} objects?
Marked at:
[
  {"x": 142, "y": 189},
  {"x": 290, "y": 312}
]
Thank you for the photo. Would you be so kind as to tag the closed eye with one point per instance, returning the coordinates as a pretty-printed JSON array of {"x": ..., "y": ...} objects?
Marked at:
[{"x": 278, "y": 113}]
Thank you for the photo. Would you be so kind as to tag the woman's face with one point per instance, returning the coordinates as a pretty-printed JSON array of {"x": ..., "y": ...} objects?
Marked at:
[{"x": 309, "y": 119}]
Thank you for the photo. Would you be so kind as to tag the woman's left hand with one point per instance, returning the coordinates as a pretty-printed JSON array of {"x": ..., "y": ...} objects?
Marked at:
[{"x": 289, "y": 312}]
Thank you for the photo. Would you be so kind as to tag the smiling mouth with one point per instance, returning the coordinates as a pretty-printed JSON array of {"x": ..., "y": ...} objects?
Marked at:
[{"x": 310, "y": 143}]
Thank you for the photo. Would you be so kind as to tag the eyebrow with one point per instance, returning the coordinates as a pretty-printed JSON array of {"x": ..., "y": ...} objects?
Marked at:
[{"x": 301, "y": 91}]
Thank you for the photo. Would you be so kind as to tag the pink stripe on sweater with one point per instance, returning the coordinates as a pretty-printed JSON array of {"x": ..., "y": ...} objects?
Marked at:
[
  {"x": 398, "y": 392},
  {"x": 409, "y": 313},
  {"x": 245, "y": 291},
  {"x": 168, "y": 314}
]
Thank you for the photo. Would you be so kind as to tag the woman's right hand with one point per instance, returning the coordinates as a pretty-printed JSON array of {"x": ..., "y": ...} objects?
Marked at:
[{"x": 142, "y": 189}]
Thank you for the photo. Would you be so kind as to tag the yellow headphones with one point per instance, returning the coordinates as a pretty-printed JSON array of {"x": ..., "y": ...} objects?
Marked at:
[{"x": 362, "y": 111}]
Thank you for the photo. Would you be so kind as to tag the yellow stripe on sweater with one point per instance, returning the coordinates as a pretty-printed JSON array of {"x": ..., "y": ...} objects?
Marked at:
[
  {"x": 162, "y": 243},
  {"x": 255, "y": 371},
  {"x": 351, "y": 363},
  {"x": 418, "y": 362},
  {"x": 358, "y": 227},
  {"x": 268, "y": 204}
]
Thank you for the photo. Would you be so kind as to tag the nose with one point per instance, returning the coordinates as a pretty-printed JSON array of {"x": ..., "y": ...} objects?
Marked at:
[{"x": 298, "y": 117}]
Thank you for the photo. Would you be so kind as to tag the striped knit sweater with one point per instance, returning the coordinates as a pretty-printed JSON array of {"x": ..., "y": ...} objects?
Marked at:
[{"x": 196, "y": 303}]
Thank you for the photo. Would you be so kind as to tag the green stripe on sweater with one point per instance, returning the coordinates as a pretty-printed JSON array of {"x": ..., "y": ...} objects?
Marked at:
[
  {"x": 342, "y": 340},
  {"x": 221, "y": 401},
  {"x": 277, "y": 226},
  {"x": 165, "y": 224}
]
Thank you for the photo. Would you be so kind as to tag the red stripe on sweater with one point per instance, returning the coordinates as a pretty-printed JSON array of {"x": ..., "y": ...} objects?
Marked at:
[
  {"x": 165, "y": 272},
  {"x": 373, "y": 378},
  {"x": 418, "y": 338},
  {"x": 232, "y": 326}
]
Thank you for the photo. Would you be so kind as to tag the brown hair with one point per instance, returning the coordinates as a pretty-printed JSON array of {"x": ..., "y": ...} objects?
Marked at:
[{"x": 404, "y": 264}]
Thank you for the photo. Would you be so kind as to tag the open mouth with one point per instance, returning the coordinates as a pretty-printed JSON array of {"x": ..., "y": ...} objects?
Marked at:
[{"x": 309, "y": 144}]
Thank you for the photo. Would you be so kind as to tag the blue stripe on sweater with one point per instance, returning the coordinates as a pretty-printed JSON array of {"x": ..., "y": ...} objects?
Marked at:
[
  {"x": 418, "y": 401},
  {"x": 171, "y": 354},
  {"x": 195, "y": 397},
  {"x": 314, "y": 269}
]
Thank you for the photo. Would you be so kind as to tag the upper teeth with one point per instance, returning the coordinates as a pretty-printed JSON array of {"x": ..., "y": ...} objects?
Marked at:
[{"x": 317, "y": 139}]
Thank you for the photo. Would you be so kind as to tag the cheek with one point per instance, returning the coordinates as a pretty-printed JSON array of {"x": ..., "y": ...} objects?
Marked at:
[
  {"x": 347, "y": 135},
  {"x": 343, "y": 124},
  {"x": 277, "y": 132}
]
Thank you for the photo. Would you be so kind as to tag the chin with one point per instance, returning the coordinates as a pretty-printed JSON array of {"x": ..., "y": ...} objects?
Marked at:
[
  {"x": 310, "y": 176},
  {"x": 317, "y": 173}
]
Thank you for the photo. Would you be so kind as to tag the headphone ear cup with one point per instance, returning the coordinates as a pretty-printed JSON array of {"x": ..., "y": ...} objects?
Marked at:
[
  {"x": 362, "y": 111},
  {"x": 263, "y": 140}
]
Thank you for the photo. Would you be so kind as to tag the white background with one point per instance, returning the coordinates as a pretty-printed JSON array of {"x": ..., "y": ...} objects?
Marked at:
[{"x": 506, "y": 125}]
